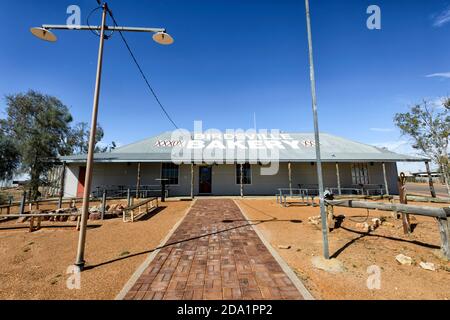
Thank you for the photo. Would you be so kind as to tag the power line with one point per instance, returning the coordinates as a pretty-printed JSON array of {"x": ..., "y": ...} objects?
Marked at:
[{"x": 142, "y": 72}]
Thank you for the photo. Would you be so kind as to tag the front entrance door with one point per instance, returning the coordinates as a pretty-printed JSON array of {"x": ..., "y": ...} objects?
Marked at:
[
  {"x": 81, "y": 181},
  {"x": 205, "y": 179}
]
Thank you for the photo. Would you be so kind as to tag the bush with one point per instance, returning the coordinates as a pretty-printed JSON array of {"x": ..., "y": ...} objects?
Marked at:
[{"x": 3, "y": 199}]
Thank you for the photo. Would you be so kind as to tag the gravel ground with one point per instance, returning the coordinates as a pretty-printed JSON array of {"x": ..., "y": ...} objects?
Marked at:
[
  {"x": 34, "y": 265},
  {"x": 357, "y": 251}
]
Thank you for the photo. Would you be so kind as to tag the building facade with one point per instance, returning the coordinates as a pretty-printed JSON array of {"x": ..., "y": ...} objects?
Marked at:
[{"x": 237, "y": 164}]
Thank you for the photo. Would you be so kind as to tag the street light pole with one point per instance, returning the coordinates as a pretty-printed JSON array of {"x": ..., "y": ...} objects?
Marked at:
[
  {"x": 160, "y": 36},
  {"x": 90, "y": 157},
  {"x": 323, "y": 214}
]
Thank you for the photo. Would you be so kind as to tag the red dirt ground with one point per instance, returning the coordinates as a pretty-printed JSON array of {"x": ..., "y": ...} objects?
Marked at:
[{"x": 357, "y": 251}]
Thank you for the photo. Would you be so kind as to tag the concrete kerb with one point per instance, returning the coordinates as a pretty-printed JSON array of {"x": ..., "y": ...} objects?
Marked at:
[
  {"x": 137, "y": 274},
  {"x": 289, "y": 272}
]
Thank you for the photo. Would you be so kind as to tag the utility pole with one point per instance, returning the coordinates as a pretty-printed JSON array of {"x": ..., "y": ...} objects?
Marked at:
[{"x": 323, "y": 214}]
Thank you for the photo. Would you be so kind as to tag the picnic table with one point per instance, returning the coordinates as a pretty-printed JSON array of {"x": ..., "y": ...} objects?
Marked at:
[
  {"x": 303, "y": 194},
  {"x": 357, "y": 191},
  {"x": 374, "y": 189}
]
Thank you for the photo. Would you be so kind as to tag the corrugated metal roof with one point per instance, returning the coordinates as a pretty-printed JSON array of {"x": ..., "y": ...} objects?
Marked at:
[{"x": 288, "y": 147}]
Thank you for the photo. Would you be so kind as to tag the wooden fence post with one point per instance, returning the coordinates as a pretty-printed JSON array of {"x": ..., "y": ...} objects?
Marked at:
[
  {"x": 22, "y": 203},
  {"x": 103, "y": 204},
  {"x": 444, "y": 229},
  {"x": 403, "y": 200},
  {"x": 78, "y": 223},
  {"x": 430, "y": 180}
]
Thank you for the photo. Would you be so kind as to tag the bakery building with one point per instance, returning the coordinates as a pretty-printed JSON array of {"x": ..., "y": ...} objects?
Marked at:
[{"x": 236, "y": 164}]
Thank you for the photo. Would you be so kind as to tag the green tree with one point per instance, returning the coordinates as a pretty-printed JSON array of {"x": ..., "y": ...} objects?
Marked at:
[
  {"x": 429, "y": 128},
  {"x": 447, "y": 103},
  {"x": 39, "y": 125},
  {"x": 79, "y": 139},
  {"x": 9, "y": 157}
]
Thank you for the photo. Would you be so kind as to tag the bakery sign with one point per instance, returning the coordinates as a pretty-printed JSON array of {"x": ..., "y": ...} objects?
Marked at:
[
  {"x": 168, "y": 143},
  {"x": 201, "y": 142}
]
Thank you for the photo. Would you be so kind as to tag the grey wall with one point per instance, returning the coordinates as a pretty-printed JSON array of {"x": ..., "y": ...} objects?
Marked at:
[{"x": 224, "y": 177}]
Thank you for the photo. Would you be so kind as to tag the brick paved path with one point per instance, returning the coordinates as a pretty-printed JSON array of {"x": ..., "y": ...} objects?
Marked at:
[{"x": 214, "y": 260}]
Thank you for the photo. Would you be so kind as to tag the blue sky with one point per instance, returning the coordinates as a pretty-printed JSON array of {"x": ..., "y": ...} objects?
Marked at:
[{"x": 232, "y": 59}]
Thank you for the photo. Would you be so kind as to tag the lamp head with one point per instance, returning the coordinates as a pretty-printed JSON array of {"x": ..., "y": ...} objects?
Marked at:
[
  {"x": 44, "y": 34},
  {"x": 163, "y": 38}
]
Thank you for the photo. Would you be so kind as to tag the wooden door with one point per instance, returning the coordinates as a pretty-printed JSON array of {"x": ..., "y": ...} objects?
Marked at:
[
  {"x": 205, "y": 180},
  {"x": 81, "y": 182}
]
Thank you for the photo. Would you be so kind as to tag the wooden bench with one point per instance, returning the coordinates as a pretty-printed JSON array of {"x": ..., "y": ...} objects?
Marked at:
[
  {"x": 285, "y": 193},
  {"x": 149, "y": 205}
]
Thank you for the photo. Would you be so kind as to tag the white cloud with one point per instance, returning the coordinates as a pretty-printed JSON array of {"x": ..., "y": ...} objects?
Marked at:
[
  {"x": 382, "y": 129},
  {"x": 442, "y": 18},
  {"x": 439, "y": 75}
]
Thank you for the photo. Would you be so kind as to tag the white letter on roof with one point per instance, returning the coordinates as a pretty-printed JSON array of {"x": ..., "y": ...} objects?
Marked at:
[
  {"x": 195, "y": 144},
  {"x": 236, "y": 145},
  {"x": 285, "y": 136},
  {"x": 294, "y": 144},
  {"x": 216, "y": 144},
  {"x": 271, "y": 144},
  {"x": 256, "y": 144}
]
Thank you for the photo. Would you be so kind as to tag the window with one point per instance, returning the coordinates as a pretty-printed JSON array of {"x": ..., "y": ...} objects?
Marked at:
[
  {"x": 360, "y": 173},
  {"x": 246, "y": 174},
  {"x": 170, "y": 171}
]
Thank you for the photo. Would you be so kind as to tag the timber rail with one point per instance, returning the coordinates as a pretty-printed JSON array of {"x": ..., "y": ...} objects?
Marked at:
[
  {"x": 37, "y": 218},
  {"x": 442, "y": 215},
  {"x": 149, "y": 205}
]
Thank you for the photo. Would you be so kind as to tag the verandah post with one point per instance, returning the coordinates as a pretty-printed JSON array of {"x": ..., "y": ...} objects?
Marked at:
[
  {"x": 242, "y": 180},
  {"x": 385, "y": 179},
  {"x": 192, "y": 181},
  {"x": 338, "y": 177},
  {"x": 138, "y": 184},
  {"x": 290, "y": 177}
]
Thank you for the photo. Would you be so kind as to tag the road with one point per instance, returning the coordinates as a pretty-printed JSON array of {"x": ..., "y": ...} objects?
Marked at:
[{"x": 424, "y": 189}]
